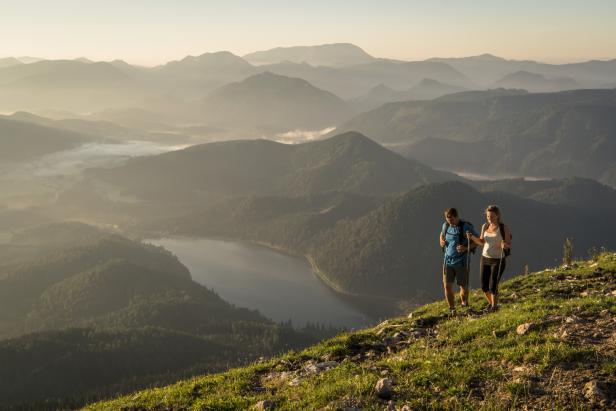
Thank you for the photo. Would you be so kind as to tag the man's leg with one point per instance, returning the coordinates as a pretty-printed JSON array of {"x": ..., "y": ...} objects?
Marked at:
[
  {"x": 463, "y": 296},
  {"x": 449, "y": 296}
]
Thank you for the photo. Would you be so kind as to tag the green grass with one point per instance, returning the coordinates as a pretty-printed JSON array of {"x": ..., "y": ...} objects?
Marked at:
[{"x": 469, "y": 354}]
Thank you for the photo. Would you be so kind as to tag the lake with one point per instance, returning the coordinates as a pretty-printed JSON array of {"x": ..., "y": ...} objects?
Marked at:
[{"x": 280, "y": 286}]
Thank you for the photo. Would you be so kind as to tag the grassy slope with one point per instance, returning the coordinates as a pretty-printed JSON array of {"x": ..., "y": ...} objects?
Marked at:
[{"x": 471, "y": 361}]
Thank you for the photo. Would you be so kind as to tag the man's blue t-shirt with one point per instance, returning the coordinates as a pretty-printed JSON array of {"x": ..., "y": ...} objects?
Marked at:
[{"x": 452, "y": 237}]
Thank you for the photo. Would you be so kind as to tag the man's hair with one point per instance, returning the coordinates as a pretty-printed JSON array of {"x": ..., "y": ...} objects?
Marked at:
[{"x": 451, "y": 212}]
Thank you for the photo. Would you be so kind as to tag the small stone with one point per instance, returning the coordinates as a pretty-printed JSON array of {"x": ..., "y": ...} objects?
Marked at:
[
  {"x": 295, "y": 382},
  {"x": 524, "y": 328},
  {"x": 613, "y": 292},
  {"x": 520, "y": 368},
  {"x": 389, "y": 341},
  {"x": 593, "y": 392},
  {"x": 383, "y": 388},
  {"x": 401, "y": 335},
  {"x": 584, "y": 294},
  {"x": 418, "y": 332},
  {"x": 571, "y": 319},
  {"x": 410, "y": 315},
  {"x": 405, "y": 407},
  {"x": 384, "y": 372},
  {"x": 390, "y": 406},
  {"x": 326, "y": 365},
  {"x": 311, "y": 368},
  {"x": 264, "y": 405},
  {"x": 604, "y": 313}
]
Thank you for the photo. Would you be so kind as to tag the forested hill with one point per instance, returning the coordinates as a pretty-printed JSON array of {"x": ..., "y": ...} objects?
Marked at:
[
  {"x": 87, "y": 313},
  {"x": 387, "y": 246},
  {"x": 349, "y": 162},
  {"x": 500, "y": 132}
]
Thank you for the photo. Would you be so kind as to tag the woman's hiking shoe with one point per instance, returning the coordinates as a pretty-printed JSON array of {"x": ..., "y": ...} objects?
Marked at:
[{"x": 452, "y": 311}]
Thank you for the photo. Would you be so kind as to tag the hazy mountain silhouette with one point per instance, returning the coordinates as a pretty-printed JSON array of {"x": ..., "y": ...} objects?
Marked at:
[
  {"x": 426, "y": 89},
  {"x": 66, "y": 85},
  {"x": 273, "y": 102},
  {"x": 22, "y": 140},
  {"x": 535, "y": 82},
  {"x": 353, "y": 81},
  {"x": 331, "y": 55},
  {"x": 487, "y": 69},
  {"x": 66, "y": 74},
  {"x": 9, "y": 61},
  {"x": 95, "y": 128}
]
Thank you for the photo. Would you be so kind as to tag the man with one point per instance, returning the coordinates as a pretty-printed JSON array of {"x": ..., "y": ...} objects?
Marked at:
[{"x": 456, "y": 259}]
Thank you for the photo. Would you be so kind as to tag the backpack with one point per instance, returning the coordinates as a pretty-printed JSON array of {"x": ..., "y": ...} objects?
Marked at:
[
  {"x": 501, "y": 229},
  {"x": 461, "y": 235}
]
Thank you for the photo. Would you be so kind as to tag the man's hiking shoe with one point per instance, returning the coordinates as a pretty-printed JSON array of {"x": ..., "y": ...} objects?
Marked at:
[
  {"x": 487, "y": 309},
  {"x": 452, "y": 311},
  {"x": 495, "y": 308}
]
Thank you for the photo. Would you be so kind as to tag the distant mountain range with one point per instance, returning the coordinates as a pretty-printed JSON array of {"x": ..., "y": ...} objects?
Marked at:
[
  {"x": 487, "y": 69},
  {"x": 535, "y": 82},
  {"x": 343, "y": 69},
  {"x": 426, "y": 89},
  {"x": 330, "y": 55},
  {"x": 503, "y": 132}
]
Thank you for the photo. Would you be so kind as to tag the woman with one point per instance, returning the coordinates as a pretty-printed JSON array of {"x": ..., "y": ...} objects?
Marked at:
[{"x": 495, "y": 238}]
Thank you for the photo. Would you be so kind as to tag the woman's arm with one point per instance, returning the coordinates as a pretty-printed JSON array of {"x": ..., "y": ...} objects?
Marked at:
[{"x": 477, "y": 240}]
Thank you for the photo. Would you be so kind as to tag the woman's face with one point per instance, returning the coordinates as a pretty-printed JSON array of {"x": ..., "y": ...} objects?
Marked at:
[{"x": 492, "y": 217}]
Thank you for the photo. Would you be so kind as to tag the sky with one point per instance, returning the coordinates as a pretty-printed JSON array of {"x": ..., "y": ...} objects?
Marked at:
[{"x": 155, "y": 31}]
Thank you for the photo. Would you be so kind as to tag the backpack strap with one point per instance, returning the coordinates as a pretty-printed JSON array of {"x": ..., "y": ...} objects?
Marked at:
[
  {"x": 461, "y": 232},
  {"x": 501, "y": 228}
]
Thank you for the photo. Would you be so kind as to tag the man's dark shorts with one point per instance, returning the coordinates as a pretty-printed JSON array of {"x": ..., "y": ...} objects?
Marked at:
[{"x": 460, "y": 274}]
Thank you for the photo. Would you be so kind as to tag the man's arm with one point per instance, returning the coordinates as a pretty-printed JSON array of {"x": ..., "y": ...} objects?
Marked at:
[{"x": 441, "y": 237}]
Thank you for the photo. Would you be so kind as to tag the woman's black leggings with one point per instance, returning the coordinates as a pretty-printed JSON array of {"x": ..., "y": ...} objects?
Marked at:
[{"x": 489, "y": 273}]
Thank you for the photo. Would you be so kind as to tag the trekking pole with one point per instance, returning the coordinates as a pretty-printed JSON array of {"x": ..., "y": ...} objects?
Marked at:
[
  {"x": 468, "y": 267},
  {"x": 500, "y": 261}
]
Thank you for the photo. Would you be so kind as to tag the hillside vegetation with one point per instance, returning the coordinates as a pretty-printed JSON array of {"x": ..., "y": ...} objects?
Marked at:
[{"x": 551, "y": 345}]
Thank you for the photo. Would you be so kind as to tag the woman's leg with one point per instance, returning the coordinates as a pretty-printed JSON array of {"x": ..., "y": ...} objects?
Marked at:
[
  {"x": 484, "y": 278},
  {"x": 494, "y": 288}
]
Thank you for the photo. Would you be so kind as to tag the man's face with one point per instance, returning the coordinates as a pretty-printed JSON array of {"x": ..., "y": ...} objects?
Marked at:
[{"x": 452, "y": 220}]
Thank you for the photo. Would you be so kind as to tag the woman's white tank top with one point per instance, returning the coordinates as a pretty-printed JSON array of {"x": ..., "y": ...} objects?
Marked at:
[{"x": 492, "y": 246}]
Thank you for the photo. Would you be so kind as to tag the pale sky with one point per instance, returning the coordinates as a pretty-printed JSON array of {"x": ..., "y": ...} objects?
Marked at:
[{"x": 155, "y": 31}]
